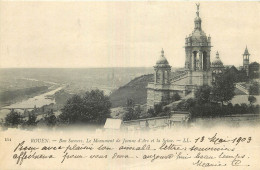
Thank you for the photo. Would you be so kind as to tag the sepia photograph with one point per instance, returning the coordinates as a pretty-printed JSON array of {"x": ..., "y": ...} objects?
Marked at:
[{"x": 129, "y": 85}]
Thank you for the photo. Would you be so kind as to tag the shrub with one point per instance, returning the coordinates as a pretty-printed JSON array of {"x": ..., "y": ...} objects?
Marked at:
[
  {"x": 13, "y": 119},
  {"x": 254, "y": 89},
  {"x": 251, "y": 99},
  {"x": 175, "y": 97}
]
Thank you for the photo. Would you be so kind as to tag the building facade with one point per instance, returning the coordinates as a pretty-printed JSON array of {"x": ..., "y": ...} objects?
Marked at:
[{"x": 197, "y": 69}]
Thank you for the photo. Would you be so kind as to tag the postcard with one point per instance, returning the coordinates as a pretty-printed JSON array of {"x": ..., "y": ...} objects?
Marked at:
[{"x": 112, "y": 85}]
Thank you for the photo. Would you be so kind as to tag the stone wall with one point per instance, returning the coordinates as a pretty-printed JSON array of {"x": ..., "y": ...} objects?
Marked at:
[
  {"x": 150, "y": 98},
  {"x": 200, "y": 78}
]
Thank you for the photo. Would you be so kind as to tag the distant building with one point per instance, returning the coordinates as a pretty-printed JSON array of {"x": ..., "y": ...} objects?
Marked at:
[
  {"x": 254, "y": 70},
  {"x": 246, "y": 61},
  {"x": 217, "y": 67},
  {"x": 233, "y": 70}
]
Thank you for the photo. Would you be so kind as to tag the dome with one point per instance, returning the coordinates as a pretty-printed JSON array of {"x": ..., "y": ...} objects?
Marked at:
[
  {"x": 162, "y": 61},
  {"x": 197, "y": 19},
  {"x": 217, "y": 62},
  {"x": 199, "y": 36}
]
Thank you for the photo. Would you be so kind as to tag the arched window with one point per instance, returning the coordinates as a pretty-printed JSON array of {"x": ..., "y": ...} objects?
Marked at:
[
  {"x": 157, "y": 76},
  {"x": 165, "y": 77},
  {"x": 204, "y": 60},
  {"x": 194, "y": 60}
]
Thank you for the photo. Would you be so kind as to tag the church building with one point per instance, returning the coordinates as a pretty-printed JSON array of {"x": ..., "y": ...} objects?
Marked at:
[{"x": 197, "y": 69}]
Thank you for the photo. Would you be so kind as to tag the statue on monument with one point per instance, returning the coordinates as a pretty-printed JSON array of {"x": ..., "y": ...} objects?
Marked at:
[{"x": 198, "y": 6}]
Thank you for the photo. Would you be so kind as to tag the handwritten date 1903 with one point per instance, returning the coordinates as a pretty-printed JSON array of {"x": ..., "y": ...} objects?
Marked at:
[{"x": 218, "y": 140}]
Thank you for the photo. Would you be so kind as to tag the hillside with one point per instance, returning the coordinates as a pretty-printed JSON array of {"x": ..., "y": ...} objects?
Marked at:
[{"x": 135, "y": 89}]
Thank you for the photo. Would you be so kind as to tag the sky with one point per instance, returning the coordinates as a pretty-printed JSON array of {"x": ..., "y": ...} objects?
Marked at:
[{"x": 121, "y": 34}]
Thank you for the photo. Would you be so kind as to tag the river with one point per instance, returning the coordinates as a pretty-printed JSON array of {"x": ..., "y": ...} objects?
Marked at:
[{"x": 37, "y": 101}]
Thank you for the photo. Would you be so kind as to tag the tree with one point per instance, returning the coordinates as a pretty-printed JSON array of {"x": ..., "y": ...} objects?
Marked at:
[
  {"x": 223, "y": 89},
  {"x": 13, "y": 119},
  {"x": 251, "y": 99},
  {"x": 253, "y": 70},
  {"x": 129, "y": 102},
  {"x": 175, "y": 97},
  {"x": 50, "y": 119},
  {"x": 158, "y": 108},
  {"x": 166, "y": 111},
  {"x": 186, "y": 105},
  {"x": 138, "y": 110},
  {"x": 254, "y": 89},
  {"x": 93, "y": 107},
  {"x": 203, "y": 94},
  {"x": 31, "y": 119},
  {"x": 131, "y": 114},
  {"x": 151, "y": 112},
  {"x": 72, "y": 110}
]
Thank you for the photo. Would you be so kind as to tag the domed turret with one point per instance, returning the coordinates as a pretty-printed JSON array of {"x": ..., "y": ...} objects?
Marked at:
[
  {"x": 217, "y": 62},
  {"x": 162, "y": 70},
  {"x": 217, "y": 67},
  {"x": 162, "y": 61}
]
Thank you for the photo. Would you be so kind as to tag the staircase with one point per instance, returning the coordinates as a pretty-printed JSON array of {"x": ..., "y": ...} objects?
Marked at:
[
  {"x": 179, "y": 76},
  {"x": 242, "y": 88}
]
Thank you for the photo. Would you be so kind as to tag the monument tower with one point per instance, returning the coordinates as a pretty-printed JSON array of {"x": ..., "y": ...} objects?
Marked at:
[
  {"x": 197, "y": 49},
  {"x": 162, "y": 71},
  {"x": 197, "y": 69}
]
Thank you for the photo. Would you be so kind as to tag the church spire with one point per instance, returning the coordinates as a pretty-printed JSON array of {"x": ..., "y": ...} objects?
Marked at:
[
  {"x": 246, "y": 61},
  {"x": 246, "y": 52}
]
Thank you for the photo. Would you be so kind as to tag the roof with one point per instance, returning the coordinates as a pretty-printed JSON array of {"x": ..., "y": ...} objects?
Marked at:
[
  {"x": 198, "y": 36},
  {"x": 112, "y": 123},
  {"x": 162, "y": 60},
  {"x": 145, "y": 119},
  {"x": 217, "y": 61},
  {"x": 246, "y": 52},
  {"x": 232, "y": 69},
  {"x": 254, "y": 63}
]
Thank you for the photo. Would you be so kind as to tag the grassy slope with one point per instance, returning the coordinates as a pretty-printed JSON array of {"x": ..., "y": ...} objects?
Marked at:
[{"x": 135, "y": 89}]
